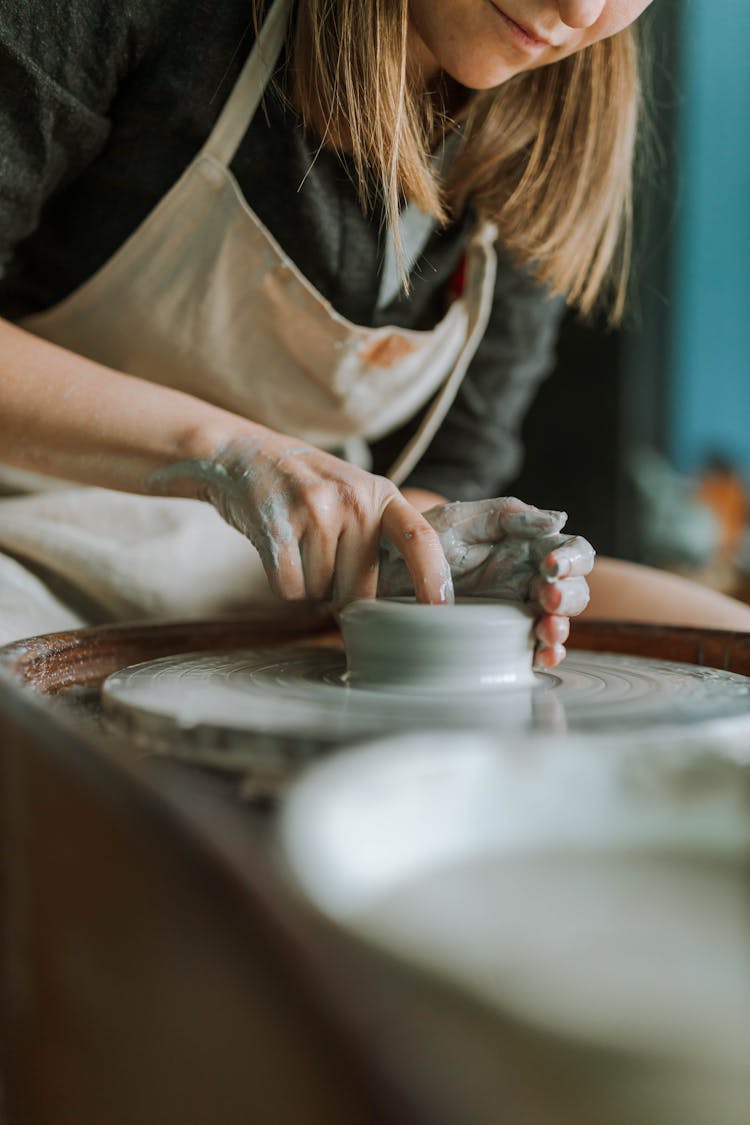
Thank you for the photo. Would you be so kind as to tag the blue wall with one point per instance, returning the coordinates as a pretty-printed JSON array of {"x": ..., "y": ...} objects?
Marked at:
[{"x": 710, "y": 377}]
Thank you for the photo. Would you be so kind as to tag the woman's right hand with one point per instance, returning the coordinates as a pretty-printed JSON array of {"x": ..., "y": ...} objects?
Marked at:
[{"x": 316, "y": 521}]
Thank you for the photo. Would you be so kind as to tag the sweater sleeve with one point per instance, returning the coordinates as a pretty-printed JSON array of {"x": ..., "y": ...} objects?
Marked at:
[
  {"x": 61, "y": 62},
  {"x": 477, "y": 450}
]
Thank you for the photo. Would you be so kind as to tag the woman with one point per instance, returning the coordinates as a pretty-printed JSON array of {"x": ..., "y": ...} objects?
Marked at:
[{"x": 194, "y": 269}]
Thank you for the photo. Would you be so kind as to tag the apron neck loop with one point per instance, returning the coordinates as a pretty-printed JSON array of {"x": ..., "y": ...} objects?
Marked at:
[{"x": 250, "y": 87}]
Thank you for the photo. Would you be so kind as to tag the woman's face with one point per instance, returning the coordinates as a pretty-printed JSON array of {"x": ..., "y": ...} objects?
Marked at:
[{"x": 483, "y": 43}]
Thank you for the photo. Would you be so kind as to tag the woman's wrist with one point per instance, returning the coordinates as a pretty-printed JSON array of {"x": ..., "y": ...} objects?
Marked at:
[{"x": 199, "y": 453}]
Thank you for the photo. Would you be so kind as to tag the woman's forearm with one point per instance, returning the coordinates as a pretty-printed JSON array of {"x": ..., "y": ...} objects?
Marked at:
[{"x": 67, "y": 416}]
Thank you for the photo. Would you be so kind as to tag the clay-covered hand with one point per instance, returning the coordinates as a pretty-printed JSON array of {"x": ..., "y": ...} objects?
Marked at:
[
  {"x": 503, "y": 548},
  {"x": 316, "y": 521}
]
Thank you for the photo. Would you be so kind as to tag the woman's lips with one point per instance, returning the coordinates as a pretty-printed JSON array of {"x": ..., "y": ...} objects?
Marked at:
[{"x": 523, "y": 35}]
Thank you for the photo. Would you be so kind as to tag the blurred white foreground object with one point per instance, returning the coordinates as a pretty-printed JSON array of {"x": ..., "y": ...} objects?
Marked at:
[{"x": 596, "y": 893}]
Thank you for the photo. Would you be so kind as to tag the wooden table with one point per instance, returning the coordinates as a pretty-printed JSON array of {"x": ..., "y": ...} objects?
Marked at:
[{"x": 157, "y": 966}]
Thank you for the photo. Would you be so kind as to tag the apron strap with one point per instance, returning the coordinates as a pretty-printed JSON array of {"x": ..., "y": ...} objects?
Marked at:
[
  {"x": 414, "y": 450},
  {"x": 239, "y": 109}
]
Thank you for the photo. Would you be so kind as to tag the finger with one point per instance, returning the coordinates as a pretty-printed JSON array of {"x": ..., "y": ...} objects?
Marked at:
[
  {"x": 283, "y": 567},
  {"x": 487, "y": 521},
  {"x": 534, "y": 523},
  {"x": 551, "y": 630},
  {"x": 549, "y": 657},
  {"x": 472, "y": 521},
  {"x": 421, "y": 549},
  {"x": 568, "y": 597},
  {"x": 318, "y": 554},
  {"x": 570, "y": 556},
  {"x": 356, "y": 569}
]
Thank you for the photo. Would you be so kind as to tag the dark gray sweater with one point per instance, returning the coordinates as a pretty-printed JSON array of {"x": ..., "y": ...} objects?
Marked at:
[{"x": 103, "y": 103}]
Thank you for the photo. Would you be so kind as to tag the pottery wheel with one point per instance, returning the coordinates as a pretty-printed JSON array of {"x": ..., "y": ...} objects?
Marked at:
[{"x": 222, "y": 705}]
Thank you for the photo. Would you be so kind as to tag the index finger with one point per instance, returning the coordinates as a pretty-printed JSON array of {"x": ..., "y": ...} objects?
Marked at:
[
  {"x": 488, "y": 521},
  {"x": 534, "y": 523},
  {"x": 419, "y": 545}
]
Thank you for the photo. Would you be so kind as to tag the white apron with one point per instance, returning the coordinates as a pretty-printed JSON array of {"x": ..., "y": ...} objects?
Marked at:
[{"x": 203, "y": 299}]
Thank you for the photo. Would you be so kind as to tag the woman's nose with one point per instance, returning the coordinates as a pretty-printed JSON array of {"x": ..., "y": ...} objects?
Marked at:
[{"x": 581, "y": 13}]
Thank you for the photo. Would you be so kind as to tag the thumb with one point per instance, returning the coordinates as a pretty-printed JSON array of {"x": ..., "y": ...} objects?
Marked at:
[{"x": 533, "y": 523}]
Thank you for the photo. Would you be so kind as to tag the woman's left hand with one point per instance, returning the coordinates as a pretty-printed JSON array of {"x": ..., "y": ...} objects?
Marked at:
[{"x": 503, "y": 548}]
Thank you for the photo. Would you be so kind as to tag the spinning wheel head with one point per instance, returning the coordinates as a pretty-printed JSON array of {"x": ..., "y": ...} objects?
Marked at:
[{"x": 232, "y": 708}]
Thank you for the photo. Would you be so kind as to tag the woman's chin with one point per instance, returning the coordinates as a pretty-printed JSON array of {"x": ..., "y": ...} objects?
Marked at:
[{"x": 477, "y": 74}]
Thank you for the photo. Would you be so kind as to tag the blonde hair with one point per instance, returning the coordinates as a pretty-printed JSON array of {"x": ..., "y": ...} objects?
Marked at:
[{"x": 548, "y": 155}]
